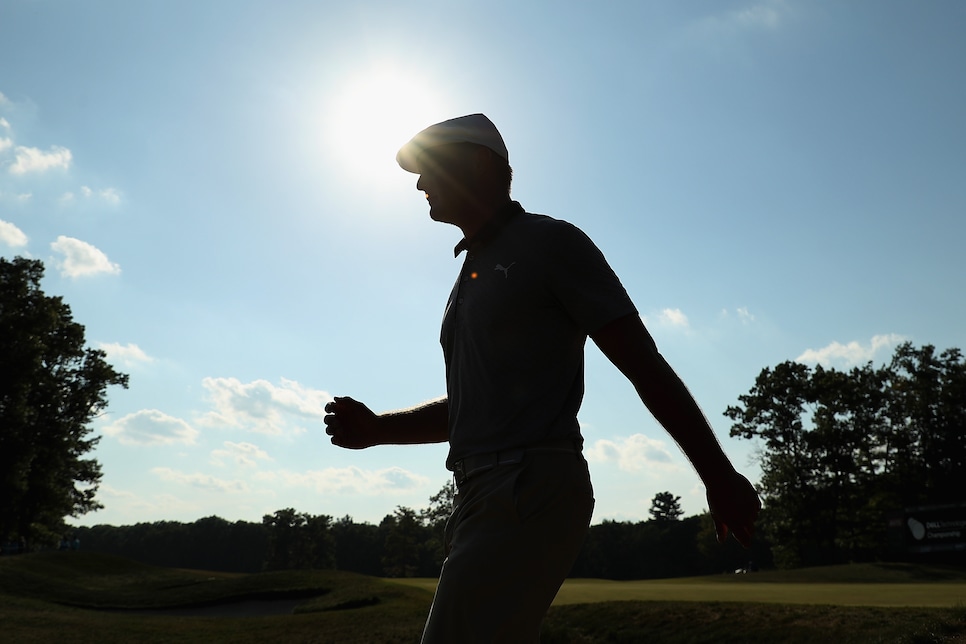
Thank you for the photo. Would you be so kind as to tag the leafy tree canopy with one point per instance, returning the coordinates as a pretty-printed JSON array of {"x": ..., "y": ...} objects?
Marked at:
[
  {"x": 841, "y": 449},
  {"x": 51, "y": 388}
]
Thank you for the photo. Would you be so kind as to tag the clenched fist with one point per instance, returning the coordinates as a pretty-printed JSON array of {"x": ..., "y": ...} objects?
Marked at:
[{"x": 350, "y": 424}]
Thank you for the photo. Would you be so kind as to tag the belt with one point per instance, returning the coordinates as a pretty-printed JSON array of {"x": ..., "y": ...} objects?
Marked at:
[{"x": 475, "y": 464}]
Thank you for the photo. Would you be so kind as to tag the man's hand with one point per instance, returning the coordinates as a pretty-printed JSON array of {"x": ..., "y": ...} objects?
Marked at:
[
  {"x": 734, "y": 506},
  {"x": 350, "y": 424},
  {"x": 353, "y": 426}
]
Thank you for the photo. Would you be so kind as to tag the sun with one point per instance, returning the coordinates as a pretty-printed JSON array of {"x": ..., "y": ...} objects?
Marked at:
[{"x": 374, "y": 115}]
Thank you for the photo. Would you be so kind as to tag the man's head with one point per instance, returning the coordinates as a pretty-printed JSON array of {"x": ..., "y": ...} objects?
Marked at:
[{"x": 463, "y": 168}]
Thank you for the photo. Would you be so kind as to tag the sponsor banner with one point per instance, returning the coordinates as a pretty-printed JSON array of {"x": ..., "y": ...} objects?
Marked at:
[{"x": 934, "y": 528}]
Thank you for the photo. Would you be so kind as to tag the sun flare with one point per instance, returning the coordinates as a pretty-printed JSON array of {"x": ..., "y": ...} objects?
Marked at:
[{"x": 374, "y": 115}]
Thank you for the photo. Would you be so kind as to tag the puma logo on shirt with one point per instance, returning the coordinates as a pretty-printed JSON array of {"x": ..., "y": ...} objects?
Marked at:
[{"x": 505, "y": 269}]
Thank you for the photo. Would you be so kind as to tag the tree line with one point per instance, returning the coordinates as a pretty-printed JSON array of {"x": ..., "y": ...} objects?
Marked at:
[
  {"x": 409, "y": 543},
  {"x": 840, "y": 453}
]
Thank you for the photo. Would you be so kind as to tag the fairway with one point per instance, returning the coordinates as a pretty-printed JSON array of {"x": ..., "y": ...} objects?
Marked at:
[{"x": 583, "y": 591}]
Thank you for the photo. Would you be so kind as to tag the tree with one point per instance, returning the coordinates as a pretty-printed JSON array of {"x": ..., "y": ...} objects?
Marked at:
[
  {"x": 440, "y": 507},
  {"x": 405, "y": 543},
  {"x": 841, "y": 449},
  {"x": 358, "y": 546},
  {"x": 51, "y": 388},
  {"x": 665, "y": 507},
  {"x": 297, "y": 540},
  {"x": 927, "y": 417},
  {"x": 435, "y": 517}
]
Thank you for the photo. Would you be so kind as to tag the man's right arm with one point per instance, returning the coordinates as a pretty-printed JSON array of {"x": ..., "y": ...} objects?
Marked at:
[
  {"x": 354, "y": 426},
  {"x": 732, "y": 500}
]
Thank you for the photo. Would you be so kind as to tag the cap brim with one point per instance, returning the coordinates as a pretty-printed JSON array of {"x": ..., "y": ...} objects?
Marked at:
[{"x": 408, "y": 158}]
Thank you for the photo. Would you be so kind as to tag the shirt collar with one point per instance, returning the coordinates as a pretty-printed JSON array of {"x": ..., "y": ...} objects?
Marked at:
[{"x": 490, "y": 229}]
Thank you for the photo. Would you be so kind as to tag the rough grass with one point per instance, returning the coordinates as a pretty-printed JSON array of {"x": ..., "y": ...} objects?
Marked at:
[
  {"x": 84, "y": 597},
  {"x": 101, "y": 581}
]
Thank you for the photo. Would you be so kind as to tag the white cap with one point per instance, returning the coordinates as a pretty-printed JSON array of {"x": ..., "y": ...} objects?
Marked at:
[{"x": 474, "y": 128}]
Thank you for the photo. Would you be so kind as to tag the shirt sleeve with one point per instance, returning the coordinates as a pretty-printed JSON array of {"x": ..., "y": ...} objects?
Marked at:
[{"x": 580, "y": 278}]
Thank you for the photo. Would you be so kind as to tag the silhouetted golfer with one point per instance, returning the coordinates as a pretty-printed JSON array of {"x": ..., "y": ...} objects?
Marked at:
[{"x": 531, "y": 290}]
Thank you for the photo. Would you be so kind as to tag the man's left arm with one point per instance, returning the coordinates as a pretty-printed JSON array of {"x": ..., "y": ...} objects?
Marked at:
[{"x": 732, "y": 500}]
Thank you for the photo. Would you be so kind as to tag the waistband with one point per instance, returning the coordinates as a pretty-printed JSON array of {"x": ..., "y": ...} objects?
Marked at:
[{"x": 475, "y": 464}]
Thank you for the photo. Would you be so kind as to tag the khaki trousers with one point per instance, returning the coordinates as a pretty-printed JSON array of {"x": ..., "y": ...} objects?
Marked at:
[{"x": 513, "y": 537}]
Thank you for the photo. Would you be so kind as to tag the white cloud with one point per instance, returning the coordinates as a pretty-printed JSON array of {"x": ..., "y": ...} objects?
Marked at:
[
  {"x": 124, "y": 506},
  {"x": 114, "y": 493},
  {"x": 151, "y": 427},
  {"x": 4, "y": 123},
  {"x": 262, "y": 407},
  {"x": 114, "y": 498},
  {"x": 668, "y": 317},
  {"x": 764, "y": 15},
  {"x": 202, "y": 481},
  {"x": 850, "y": 354},
  {"x": 110, "y": 195},
  {"x": 81, "y": 258},
  {"x": 349, "y": 480},
  {"x": 36, "y": 160},
  {"x": 673, "y": 317},
  {"x": 632, "y": 454},
  {"x": 127, "y": 354},
  {"x": 743, "y": 314},
  {"x": 242, "y": 454},
  {"x": 5, "y": 144},
  {"x": 11, "y": 235}
]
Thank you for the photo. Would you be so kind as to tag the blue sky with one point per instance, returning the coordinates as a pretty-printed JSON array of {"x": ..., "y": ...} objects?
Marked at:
[{"x": 212, "y": 188}]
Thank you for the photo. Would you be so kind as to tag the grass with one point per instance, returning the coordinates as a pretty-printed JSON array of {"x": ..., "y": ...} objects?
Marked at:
[
  {"x": 860, "y": 603},
  {"x": 880, "y": 585},
  {"x": 725, "y": 622},
  {"x": 84, "y": 597}
]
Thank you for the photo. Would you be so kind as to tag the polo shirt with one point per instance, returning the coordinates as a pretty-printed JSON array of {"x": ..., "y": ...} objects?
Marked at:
[{"x": 531, "y": 289}]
